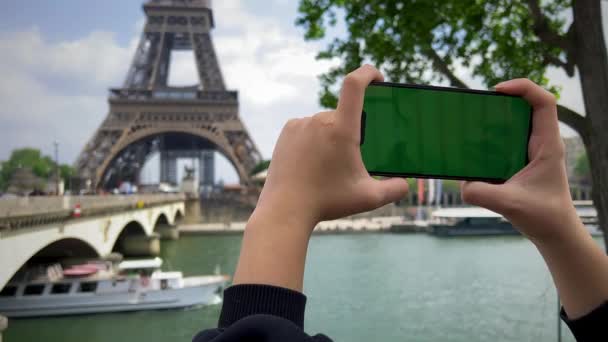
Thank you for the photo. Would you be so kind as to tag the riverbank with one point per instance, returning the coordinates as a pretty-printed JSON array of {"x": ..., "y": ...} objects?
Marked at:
[{"x": 382, "y": 224}]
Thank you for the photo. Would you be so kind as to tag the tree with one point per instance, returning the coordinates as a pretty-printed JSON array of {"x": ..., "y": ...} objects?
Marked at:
[
  {"x": 424, "y": 41},
  {"x": 261, "y": 166},
  {"x": 581, "y": 168},
  {"x": 41, "y": 166}
]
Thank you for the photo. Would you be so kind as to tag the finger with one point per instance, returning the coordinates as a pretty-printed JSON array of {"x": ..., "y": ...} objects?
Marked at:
[
  {"x": 495, "y": 197},
  {"x": 385, "y": 191},
  {"x": 350, "y": 104},
  {"x": 544, "y": 120}
]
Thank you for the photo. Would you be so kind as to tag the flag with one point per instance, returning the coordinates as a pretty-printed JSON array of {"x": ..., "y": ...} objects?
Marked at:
[
  {"x": 439, "y": 192},
  {"x": 420, "y": 191},
  {"x": 431, "y": 196}
]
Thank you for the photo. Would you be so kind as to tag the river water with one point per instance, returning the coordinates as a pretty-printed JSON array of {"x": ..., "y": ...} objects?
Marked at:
[{"x": 369, "y": 287}]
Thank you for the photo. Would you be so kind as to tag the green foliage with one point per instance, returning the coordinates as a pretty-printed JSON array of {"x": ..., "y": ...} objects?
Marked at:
[
  {"x": 261, "y": 166},
  {"x": 581, "y": 168},
  {"x": 412, "y": 185},
  {"x": 450, "y": 185},
  {"x": 67, "y": 172},
  {"x": 422, "y": 41},
  {"x": 41, "y": 166}
]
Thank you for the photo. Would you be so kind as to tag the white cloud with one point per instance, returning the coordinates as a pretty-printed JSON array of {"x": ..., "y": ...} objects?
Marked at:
[
  {"x": 57, "y": 91},
  {"x": 262, "y": 59},
  {"x": 93, "y": 60},
  {"x": 271, "y": 66},
  {"x": 182, "y": 69}
]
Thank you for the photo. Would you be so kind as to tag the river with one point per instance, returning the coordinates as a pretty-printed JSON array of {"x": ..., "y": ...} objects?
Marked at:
[{"x": 369, "y": 287}]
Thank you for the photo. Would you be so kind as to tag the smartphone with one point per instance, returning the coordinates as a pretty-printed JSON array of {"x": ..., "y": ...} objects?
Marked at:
[{"x": 439, "y": 132}]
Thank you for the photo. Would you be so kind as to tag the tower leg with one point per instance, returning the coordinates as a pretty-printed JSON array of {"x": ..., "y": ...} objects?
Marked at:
[
  {"x": 168, "y": 167},
  {"x": 206, "y": 173}
]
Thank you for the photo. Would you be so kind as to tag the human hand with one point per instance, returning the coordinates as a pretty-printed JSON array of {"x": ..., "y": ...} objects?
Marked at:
[
  {"x": 537, "y": 199},
  {"x": 317, "y": 172}
]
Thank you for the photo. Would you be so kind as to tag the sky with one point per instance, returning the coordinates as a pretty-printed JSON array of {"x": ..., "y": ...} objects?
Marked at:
[{"x": 59, "y": 58}]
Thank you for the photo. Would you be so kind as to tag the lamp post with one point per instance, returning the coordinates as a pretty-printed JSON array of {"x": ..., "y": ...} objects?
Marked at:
[{"x": 56, "y": 145}]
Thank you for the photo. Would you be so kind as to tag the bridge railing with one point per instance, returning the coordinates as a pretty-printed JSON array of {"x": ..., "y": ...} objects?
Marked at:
[{"x": 28, "y": 211}]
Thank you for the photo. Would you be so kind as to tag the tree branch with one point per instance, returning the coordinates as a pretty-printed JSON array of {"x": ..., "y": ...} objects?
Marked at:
[
  {"x": 444, "y": 68},
  {"x": 543, "y": 31},
  {"x": 567, "y": 66},
  {"x": 546, "y": 35},
  {"x": 574, "y": 120}
]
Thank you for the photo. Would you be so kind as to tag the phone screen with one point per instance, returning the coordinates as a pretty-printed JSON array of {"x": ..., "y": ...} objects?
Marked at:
[{"x": 438, "y": 132}]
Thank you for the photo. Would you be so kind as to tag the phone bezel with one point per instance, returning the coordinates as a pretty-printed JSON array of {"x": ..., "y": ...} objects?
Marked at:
[{"x": 452, "y": 89}]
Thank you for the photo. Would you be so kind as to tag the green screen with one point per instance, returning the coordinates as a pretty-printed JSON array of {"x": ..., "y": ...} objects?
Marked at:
[{"x": 444, "y": 133}]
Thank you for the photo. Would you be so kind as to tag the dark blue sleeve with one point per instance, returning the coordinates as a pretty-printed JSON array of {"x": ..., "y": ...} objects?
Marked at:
[
  {"x": 591, "y": 327},
  {"x": 260, "y": 313}
]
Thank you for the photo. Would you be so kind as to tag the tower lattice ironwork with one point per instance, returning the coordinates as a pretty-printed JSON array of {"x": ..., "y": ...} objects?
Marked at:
[{"x": 148, "y": 115}]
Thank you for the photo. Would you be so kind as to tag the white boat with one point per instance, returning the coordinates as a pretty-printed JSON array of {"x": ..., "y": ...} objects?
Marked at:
[
  {"x": 472, "y": 221},
  {"x": 98, "y": 287},
  {"x": 469, "y": 221}
]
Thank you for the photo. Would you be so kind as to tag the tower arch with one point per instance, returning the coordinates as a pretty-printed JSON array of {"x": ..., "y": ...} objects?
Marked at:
[{"x": 147, "y": 105}]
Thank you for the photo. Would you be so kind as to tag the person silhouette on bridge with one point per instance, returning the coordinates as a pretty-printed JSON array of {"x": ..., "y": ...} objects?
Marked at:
[{"x": 317, "y": 174}]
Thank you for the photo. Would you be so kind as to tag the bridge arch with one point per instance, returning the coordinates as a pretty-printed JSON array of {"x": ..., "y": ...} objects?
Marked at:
[
  {"x": 161, "y": 219},
  {"x": 99, "y": 233},
  {"x": 165, "y": 224},
  {"x": 178, "y": 215},
  {"x": 66, "y": 248},
  {"x": 237, "y": 156},
  {"x": 132, "y": 228},
  {"x": 169, "y": 217},
  {"x": 51, "y": 251}
]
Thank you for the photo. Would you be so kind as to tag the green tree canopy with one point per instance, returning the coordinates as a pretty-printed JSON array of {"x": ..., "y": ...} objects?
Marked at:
[
  {"x": 581, "y": 168},
  {"x": 42, "y": 166},
  {"x": 424, "y": 41},
  {"x": 261, "y": 166},
  {"x": 494, "y": 40}
]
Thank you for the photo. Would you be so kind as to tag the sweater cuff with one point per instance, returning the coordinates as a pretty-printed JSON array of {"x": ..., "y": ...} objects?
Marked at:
[
  {"x": 591, "y": 327},
  {"x": 244, "y": 300}
]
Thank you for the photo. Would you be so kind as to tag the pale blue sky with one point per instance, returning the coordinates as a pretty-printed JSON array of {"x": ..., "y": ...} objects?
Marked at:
[
  {"x": 59, "y": 58},
  {"x": 63, "y": 20}
]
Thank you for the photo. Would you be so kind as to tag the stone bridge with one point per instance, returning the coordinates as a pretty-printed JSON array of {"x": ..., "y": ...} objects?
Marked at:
[{"x": 84, "y": 226}]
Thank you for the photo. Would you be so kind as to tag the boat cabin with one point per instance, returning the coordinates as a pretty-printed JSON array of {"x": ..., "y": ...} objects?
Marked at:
[
  {"x": 469, "y": 221},
  {"x": 469, "y": 216},
  {"x": 92, "y": 278}
]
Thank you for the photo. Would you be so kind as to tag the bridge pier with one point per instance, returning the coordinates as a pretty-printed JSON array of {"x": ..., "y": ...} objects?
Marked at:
[
  {"x": 140, "y": 245},
  {"x": 192, "y": 208},
  {"x": 167, "y": 232}
]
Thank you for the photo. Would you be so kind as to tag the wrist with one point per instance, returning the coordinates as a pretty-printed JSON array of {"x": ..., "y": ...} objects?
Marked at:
[
  {"x": 578, "y": 266},
  {"x": 567, "y": 231},
  {"x": 290, "y": 212},
  {"x": 274, "y": 249},
  {"x": 550, "y": 221}
]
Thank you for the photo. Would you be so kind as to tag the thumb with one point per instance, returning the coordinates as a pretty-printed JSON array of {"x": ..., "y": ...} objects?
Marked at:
[
  {"x": 495, "y": 197},
  {"x": 386, "y": 191}
]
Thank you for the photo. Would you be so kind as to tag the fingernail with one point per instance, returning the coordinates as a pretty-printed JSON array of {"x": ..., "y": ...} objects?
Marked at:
[{"x": 498, "y": 85}]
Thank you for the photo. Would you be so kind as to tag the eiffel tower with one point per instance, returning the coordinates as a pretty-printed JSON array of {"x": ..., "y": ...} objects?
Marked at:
[{"x": 148, "y": 116}]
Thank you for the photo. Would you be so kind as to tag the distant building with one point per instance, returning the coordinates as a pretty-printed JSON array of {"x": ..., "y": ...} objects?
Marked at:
[
  {"x": 55, "y": 185},
  {"x": 24, "y": 182}
]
